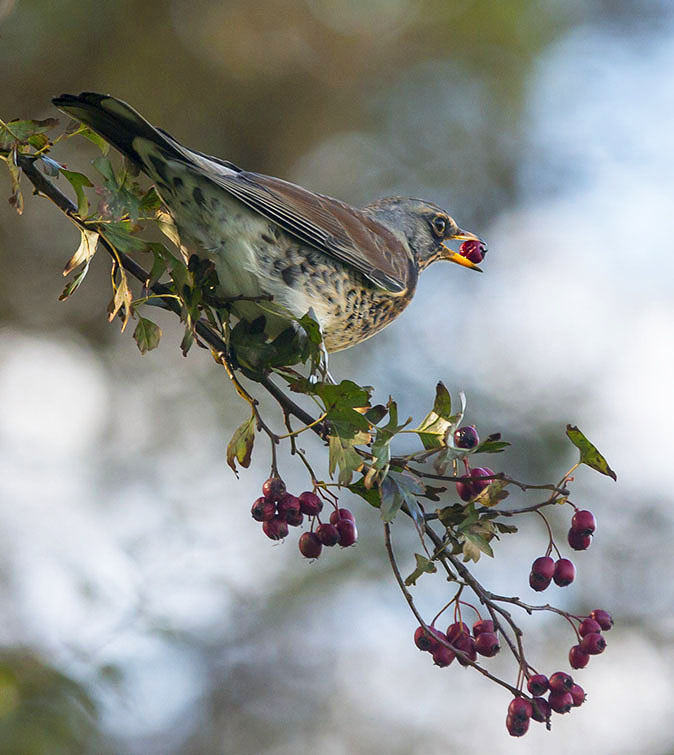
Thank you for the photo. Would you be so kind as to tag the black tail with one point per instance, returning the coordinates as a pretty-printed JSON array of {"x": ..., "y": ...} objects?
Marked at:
[{"x": 118, "y": 123}]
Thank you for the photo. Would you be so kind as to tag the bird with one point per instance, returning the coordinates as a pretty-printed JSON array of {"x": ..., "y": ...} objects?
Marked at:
[{"x": 355, "y": 270}]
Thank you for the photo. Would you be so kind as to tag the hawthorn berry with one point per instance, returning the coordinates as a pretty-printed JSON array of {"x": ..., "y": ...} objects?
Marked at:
[
  {"x": 578, "y": 658},
  {"x": 540, "y": 709},
  {"x": 309, "y": 544},
  {"x": 542, "y": 571},
  {"x": 478, "y": 484},
  {"x": 466, "y": 644},
  {"x": 348, "y": 534},
  {"x": 339, "y": 514},
  {"x": 560, "y": 702},
  {"x": 565, "y": 572},
  {"x": 288, "y": 503},
  {"x": 538, "y": 584},
  {"x": 466, "y": 437},
  {"x": 538, "y": 684},
  {"x": 560, "y": 681},
  {"x": 483, "y": 625},
  {"x": 263, "y": 510},
  {"x": 273, "y": 489},
  {"x": 587, "y": 626},
  {"x": 328, "y": 534},
  {"x": 442, "y": 655},
  {"x": 584, "y": 522},
  {"x": 464, "y": 490},
  {"x": 578, "y": 695},
  {"x": 310, "y": 503},
  {"x": 456, "y": 630},
  {"x": 473, "y": 250},
  {"x": 516, "y": 727},
  {"x": 424, "y": 640},
  {"x": 593, "y": 643},
  {"x": 275, "y": 528},
  {"x": 486, "y": 644},
  {"x": 519, "y": 709},
  {"x": 603, "y": 618},
  {"x": 578, "y": 541},
  {"x": 294, "y": 518}
]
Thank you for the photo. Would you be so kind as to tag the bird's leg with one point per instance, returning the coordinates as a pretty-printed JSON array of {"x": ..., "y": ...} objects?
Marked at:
[{"x": 325, "y": 375}]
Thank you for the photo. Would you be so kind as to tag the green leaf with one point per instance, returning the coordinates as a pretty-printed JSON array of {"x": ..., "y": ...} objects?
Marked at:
[
  {"x": 187, "y": 341},
  {"x": 78, "y": 181},
  {"x": 381, "y": 448},
  {"x": 240, "y": 447},
  {"x": 85, "y": 251},
  {"x": 491, "y": 447},
  {"x": 371, "y": 495},
  {"x": 398, "y": 488},
  {"x": 92, "y": 136},
  {"x": 506, "y": 529},
  {"x": 20, "y": 131},
  {"x": 147, "y": 335},
  {"x": 589, "y": 453},
  {"x": 104, "y": 167},
  {"x": 424, "y": 566},
  {"x": 443, "y": 402},
  {"x": 343, "y": 456}
]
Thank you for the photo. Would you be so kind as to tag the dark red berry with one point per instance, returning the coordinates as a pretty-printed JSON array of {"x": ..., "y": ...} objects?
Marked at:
[
  {"x": 442, "y": 655},
  {"x": 578, "y": 541},
  {"x": 538, "y": 684},
  {"x": 540, "y": 709},
  {"x": 565, "y": 572},
  {"x": 538, "y": 584},
  {"x": 466, "y": 437},
  {"x": 310, "y": 503},
  {"x": 593, "y": 643},
  {"x": 466, "y": 644},
  {"x": 294, "y": 518},
  {"x": 263, "y": 510},
  {"x": 288, "y": 503},
  {"x": 560, "y": 682},
  {"x": 339, "y": 514},
  {"x": 456, "y": 630},
  {"x": 473, "y": 250},
  {"x": 348, "y": 534},
  {"x": 603, "y": 618},
  {"x": 424, "y": 640},
  {"x": 584, "y": 522},
  {"x": 310, "y": 545},
  {"x": 464, "y": 490},
  {"x": 543, "y": 567},
  {"x": 486, "y": 644},
  {"x": 517, "y": 728},
  {"x": 328, "y": 534},
  {"x": 519, "y": 709},
  {"x": 273, "y": 488},
  {"x": 578, "y": 658},
  {"x": 560, "y": 702},
  {"x": 483, "y": 625},
  {"x": 276, "y": 528},
  {"x": 478, "y": 484},
  {"x": 578, "y": 695},
  {"x": 588, "y": 626}
]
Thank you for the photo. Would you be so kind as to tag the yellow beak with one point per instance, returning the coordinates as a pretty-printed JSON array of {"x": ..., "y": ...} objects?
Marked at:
[{"x": 453, "y": 256}]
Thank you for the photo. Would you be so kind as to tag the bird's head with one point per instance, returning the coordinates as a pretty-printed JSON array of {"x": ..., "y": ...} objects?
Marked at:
[{"x": 427, "y": 228}]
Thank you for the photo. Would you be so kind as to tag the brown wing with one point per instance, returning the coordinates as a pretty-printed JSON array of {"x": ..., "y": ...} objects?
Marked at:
[{"x": 332, "y": 226}]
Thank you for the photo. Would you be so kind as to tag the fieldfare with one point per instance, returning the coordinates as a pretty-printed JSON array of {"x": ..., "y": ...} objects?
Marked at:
[{"x": 356, "y": 269}]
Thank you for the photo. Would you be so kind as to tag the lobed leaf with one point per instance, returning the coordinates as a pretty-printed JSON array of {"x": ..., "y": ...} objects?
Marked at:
[{"x": 589, "y": 454}]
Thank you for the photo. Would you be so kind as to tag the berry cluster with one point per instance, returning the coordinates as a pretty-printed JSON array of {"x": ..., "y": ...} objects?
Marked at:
[
  {"x": 473, "y": 250},
  {"x": 277, "y": 510},
  {"x": 583, "y": 526},
  {"x": 458, "y": 643}
]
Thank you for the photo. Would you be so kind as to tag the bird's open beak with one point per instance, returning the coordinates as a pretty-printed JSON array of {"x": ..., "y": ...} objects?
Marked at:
[{"x": 453, "y": 256}]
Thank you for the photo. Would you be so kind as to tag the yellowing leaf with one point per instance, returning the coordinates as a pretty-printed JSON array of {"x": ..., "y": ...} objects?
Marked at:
[
  {"x": 85, "y": 251},
  {"x": 589, "y": 454},
  {"x": 240, "y": 447}
]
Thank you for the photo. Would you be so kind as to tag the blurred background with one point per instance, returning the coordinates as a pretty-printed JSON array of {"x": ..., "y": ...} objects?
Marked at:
[{"x": 143, "y": 610}]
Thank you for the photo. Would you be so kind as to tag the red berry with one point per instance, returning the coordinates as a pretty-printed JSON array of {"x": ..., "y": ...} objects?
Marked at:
[
  {"x": 294, "y": 518},
  {"x": 310, "y": 503},
  {"x": 263, "y": 510},
  {"x": 578, "y": 658},
  {"x": 538, "y": 684},
  {"x": 466, "y": 644},
  {"x": 483, "y": 625},
  {"x": 466, "y": 437},
  {"x": 339, "y": 514},
  {"x": 486, "y": 643},
  {"x": 560, "y": 702},
  {"x": 519, "y": 709},
  {"x": 588, "y": 626},
  {"x": 273, "y": 488},
  {"x": 538, "y": 584},
  {"x": 456, "y": 630},
  {"x": 584, "y": 522},
  {"x": 593, "y": 643},
  {"x": 543, "y": 567},
  {"x": 565, "y": 572},
  {"x": 442, "y": 655},
  {"x": 517, "y": 728},
  {"x": 560, "y": 682},
  {"x": 287, "y": 503},
  {"x": 275, "y": 529},
  {"x": 578, "y": 541},
  {"x": 478, "y": 484},
  {"x": 473, "y": 250},
  {"x": 348, "y": 534},
  {"x": 540, "y": 709},
  {"x": 578, "y": 695},
  {"x": 310, "y": 545},
  {"x": 424, "y": 640},
  {"x": 328, "y": 534},
  {"x": 603, "y": 618},
  {"x": 464, "y": 490}
]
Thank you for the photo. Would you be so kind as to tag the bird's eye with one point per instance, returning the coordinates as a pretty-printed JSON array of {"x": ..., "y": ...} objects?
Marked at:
[{"x": 439, "y": 225}]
